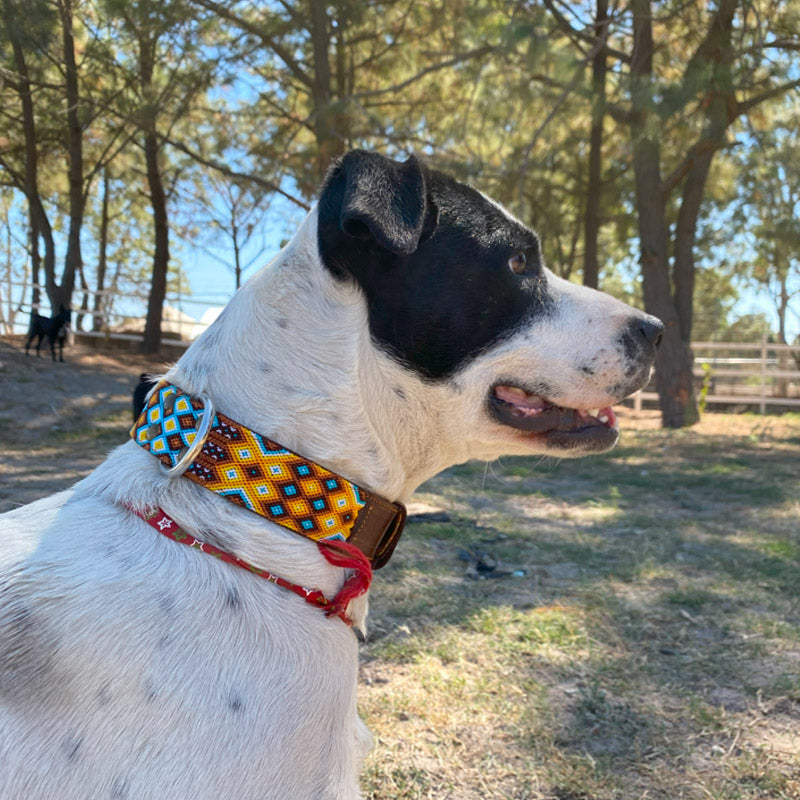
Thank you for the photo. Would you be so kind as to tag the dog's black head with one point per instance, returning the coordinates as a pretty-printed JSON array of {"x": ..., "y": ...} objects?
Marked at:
[
  {"x": 58, "y": 321},
  {"x": 446, "y": 273}
]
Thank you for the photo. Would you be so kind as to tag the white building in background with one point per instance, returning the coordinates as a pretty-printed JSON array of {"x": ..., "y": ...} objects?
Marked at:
[
  {"x": 175, "y": 324},
  {"x": 208, "y": 317}
]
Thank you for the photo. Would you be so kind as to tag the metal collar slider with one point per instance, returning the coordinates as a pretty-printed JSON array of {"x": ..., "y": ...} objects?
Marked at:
[{"x": 190, "y": 453}]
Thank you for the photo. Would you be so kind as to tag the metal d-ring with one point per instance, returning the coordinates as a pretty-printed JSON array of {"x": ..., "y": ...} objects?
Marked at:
[{"x": 185, "y": 461}]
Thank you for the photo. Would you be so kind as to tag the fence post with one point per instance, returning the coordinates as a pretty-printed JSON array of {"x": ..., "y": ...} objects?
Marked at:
[{"x": 762, "y": 406}]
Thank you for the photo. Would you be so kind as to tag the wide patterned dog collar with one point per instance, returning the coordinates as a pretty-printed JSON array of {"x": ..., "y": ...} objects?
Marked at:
[{"x": 190, "y": 438}]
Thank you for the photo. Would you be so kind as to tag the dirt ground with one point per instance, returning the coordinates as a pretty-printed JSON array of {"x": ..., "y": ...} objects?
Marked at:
[{"x": 57, "y": 421}]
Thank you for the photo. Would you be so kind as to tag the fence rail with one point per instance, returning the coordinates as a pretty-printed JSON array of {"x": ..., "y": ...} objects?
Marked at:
[
  {"x": 118, "y": 315},
  {"x": 758, "y": 375}
]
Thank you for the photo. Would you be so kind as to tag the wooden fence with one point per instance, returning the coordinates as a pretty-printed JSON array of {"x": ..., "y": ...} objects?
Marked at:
[{"x": 744, "y": 376}]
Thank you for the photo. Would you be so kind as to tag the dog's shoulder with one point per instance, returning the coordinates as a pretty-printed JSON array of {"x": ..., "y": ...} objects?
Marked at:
[
  {"x": 23, "y": 526},
  {"x": 27, "y": 646}
]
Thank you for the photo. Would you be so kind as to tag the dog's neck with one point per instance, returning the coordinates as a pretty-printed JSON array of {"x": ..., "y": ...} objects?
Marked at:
[{"x": 293, "y": 359}]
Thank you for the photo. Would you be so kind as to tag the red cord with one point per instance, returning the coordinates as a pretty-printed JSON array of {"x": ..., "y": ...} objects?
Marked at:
[
  {"x": 336, "y": 553},
  {"x": 348, "y": 556}
]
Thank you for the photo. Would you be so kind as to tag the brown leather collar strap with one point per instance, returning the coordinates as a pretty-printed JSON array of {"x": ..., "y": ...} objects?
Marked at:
[{"x": 191, "y": 439}]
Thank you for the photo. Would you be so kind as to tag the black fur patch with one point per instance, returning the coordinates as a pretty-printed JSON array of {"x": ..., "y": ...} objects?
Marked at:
[{"x": 432, "y": 260}]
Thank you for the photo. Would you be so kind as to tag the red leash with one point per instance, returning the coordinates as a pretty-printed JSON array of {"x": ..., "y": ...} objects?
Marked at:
[{"x": 337, "y": 553}]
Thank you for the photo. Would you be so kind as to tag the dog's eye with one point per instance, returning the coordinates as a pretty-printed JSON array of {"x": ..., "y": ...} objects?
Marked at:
[{"x": 518, "y": 263}]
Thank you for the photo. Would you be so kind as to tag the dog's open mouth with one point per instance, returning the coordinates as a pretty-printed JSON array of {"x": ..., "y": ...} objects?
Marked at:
[{"x": 563, "y": 428}]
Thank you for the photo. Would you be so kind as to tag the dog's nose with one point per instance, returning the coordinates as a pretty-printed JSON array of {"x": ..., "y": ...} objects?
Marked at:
[{"x": 651, "y": 329}]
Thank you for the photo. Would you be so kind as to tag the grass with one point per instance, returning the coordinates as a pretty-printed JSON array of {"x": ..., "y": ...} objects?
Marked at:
[{"x": 644, "y": 641}]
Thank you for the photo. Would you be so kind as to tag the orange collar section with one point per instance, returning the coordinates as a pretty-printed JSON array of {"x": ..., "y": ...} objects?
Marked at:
[{"x": 190, "y": 438}]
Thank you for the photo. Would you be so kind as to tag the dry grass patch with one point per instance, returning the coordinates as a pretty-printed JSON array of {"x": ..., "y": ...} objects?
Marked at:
[{"x": 642, "y": 644}]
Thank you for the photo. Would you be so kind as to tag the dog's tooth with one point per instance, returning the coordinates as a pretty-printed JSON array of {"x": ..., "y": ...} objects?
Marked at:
[{"x": 608, "y": 416}]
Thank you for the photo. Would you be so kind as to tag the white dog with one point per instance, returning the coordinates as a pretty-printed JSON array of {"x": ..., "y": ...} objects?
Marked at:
[{"x": 408, "y": 326}]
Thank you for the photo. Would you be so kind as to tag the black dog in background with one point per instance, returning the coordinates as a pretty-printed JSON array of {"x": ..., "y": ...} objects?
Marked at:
[
  {"x": 140, "y": 392},
  {"x": 54, "y": 329}
]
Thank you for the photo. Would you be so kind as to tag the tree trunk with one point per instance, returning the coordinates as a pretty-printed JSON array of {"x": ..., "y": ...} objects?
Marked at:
[
  {"x": 158, "y": 202},
  {"x": 674, "y": 362},
  {"x": 30, "y": 188},
  {"x": 591, "y": 267},
  {"x": 330, "y": 138},
  {"x": 84, "y": 307},
  {"x": 45, "y": 233},
  {"x": 715, "y": 52},
  {"x": 102, "y": 260},
  {"x": 158, "y": 285},
  {"x": 237, "y": 255},
  {"x": 73, "y": 261},
  {"x": 36, "y": 261}
]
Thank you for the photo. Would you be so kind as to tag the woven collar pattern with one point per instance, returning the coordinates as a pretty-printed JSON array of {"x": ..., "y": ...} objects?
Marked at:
[{"x": 256, "y": 473}]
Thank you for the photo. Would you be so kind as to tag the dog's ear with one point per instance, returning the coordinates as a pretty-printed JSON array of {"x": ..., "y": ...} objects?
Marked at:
[{"x": 378, "y": 200}]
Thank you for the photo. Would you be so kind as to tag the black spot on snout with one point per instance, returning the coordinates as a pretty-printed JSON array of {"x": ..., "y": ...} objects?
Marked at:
[{"x": 438, "y": 306}]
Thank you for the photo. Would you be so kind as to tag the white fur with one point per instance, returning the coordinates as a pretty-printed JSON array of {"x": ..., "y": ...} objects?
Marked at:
[{"x": 132, "y": 667}]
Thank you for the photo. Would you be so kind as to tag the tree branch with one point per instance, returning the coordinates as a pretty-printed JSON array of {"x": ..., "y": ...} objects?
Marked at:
[
  {"x": 291, "y": 63},
  {"x": 227, "y": 171},
  {"x": 17, "y": 180},
  {"x": 450, "y": 62},
  {"x": 710, "y": 51},
  {"x": 699, "y": 148},
  {"x": 775, "y": 91},
  {"x": 588, "y": 38}
]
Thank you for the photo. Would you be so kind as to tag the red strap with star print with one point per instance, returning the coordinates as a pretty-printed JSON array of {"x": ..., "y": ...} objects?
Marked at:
[{"x": 340, "y": 554}]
